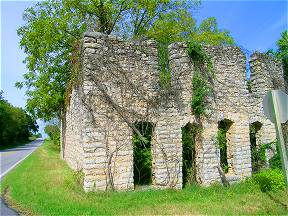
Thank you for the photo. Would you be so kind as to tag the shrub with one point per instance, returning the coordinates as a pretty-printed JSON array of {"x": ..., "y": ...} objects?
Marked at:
[
  {"x": 275, "y": 161},
  {"x": 53, "y": 132},
  {"x": 270, "y": 179}
]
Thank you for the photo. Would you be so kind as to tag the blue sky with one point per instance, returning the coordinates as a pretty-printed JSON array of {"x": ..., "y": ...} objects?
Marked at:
[{"x": 255, "y": 25}]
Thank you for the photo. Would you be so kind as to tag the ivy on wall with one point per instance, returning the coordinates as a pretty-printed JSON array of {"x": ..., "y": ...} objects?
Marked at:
[
  {"x": 163, "y": 59},
  {"x": 75, "y": 71},
  {"x": 202, "y": 78}
]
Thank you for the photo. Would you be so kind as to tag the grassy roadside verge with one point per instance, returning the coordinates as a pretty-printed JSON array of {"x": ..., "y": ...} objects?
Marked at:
[{"x": 45, "y": 185}]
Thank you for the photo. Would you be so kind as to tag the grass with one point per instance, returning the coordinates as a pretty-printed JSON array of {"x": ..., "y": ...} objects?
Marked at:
[{"x": 44, "y": 185}]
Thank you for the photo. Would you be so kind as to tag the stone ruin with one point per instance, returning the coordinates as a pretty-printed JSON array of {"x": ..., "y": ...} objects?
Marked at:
[{"x": 119, "y": 85}]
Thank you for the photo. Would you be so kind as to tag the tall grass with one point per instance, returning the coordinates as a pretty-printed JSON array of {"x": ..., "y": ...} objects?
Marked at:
[{"x": 44, "y": 185}]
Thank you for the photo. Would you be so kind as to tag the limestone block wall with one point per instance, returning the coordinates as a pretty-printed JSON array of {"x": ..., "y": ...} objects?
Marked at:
[
  {"x": 266, "y": 75},
  {"x": 229, "y": 102},
  {"x": 119, "y": 82},
  {"x": 230, "y": 98},
  {"x": 119, "y": 86},
  {"x": 72, "y": 146},
  {"x": 167, "y": 151}
]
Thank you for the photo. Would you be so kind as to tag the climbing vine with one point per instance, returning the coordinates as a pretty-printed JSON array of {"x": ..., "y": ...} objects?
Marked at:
[
  {"x": 75, "y": 70},
  {"x": 189, "y": 136},
  {"x": 163, "y": 59},
  {"x": 202, "y": 78}
]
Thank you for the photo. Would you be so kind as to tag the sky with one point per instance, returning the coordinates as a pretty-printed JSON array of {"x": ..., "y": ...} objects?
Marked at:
[{"x": 255, "y": 25}]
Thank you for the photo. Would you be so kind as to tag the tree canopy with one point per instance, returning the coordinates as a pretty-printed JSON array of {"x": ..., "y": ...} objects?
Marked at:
[
  {"x": 15, "y": 124},
  {"x": 282, "y": 52},
  {"x": 53, "y": 28}
]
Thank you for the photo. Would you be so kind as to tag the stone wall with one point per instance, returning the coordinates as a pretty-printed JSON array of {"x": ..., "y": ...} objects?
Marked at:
[
  {"x": 72, "y": 144},
  {"x": 266, "y": 74},
  {"x": 120, "y": 86}
]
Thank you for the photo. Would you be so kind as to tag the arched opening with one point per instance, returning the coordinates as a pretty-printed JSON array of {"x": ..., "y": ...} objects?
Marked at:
[
  {"x": 258, "y": 157},
  {"x": 142, "y": 154},
  {"x": 224, "y": 139},
  {"x": 189, "y": 135}
]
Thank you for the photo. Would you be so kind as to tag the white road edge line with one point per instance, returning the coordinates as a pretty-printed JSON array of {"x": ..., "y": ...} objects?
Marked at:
[{"x": 2, "y": 175}]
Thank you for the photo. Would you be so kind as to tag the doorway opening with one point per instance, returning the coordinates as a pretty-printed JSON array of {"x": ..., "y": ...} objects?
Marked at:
[
  {"x": 225, "y": 144},
  {"x": 142, "y": 154},
  {"x": 258, "y": 156},
  {"x": 189, "y": 136}
]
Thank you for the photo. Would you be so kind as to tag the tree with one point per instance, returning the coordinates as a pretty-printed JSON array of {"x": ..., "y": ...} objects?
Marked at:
[
  {"x": 53, "y": 131},
  {"x": 282, "y": 52},
  {"x": 181, "y": 26},
  {"x": 53, "y": 30},
  {"x": 15, "y": 124}
]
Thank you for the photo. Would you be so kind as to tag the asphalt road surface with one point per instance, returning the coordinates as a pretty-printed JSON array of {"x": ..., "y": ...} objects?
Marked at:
[{"x": 9, "y": 159}]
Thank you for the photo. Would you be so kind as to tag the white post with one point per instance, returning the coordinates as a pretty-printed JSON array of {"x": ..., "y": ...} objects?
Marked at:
[{"x": 280, "y": 136}]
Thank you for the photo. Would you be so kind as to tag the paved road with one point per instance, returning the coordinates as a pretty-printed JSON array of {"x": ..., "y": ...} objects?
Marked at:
[{"x": 9, "y": 159}]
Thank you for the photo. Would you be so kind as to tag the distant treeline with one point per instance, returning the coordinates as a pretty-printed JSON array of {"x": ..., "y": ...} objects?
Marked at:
[{"x": 15, "y": 124}]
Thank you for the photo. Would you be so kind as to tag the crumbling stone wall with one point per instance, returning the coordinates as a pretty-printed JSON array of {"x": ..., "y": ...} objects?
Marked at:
[
  {"x": 73, "y": 152},
  {"x": 120, "y": 86},
  {"x": 229, "y": 102},
  {"x": 266, "y": 74}
]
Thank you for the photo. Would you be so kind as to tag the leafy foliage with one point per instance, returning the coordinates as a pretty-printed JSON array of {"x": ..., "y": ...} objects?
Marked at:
[
  {"x": 209, "y": 33},
  {"x": 15, "y": 124},
  {"x": 202, "y": 78},
  {"x": 282, "y": 52},
  {"x": 163, "y": 59},
  {"x": 53, "y": 131},
  {"x": 47, "y": 38},
  {"x": 223, "y": 127},
  {"x": 258, "y": 150},
  {"x": 179, "y": 25},
  {"x": 201, "y": 90},
  {"x": 142, "y": 154},
  {"x": 275, "y": 161},
  {"x": 272, "y": 179},
  {"x": 52, "y": 28},
  {"x": 258, "y": 157},
  {"x": 249, "y": 86},
  {"x": 189, "y": 134}
]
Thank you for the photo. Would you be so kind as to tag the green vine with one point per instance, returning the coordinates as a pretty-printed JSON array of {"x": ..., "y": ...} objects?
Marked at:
[
  {"x": 75, "y": 70},
  {"x": 163, "y": 59},
  {"x": 202, "y": 78},
  {"x": 189, "y": 135}
]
